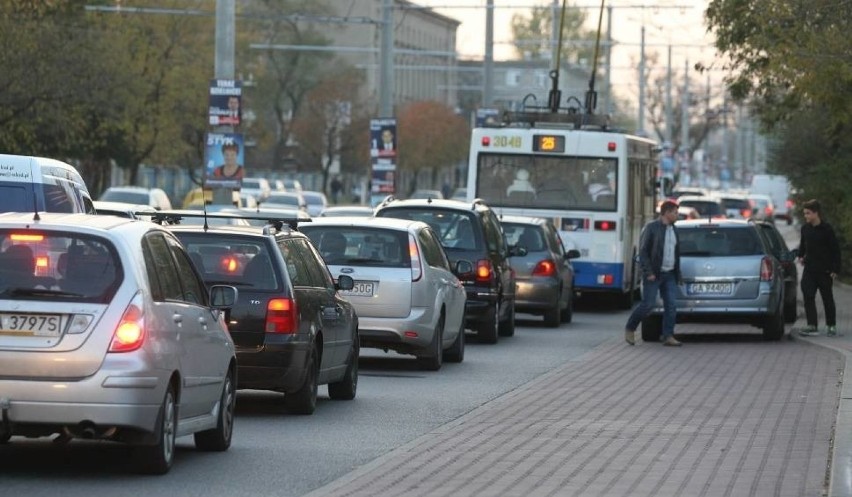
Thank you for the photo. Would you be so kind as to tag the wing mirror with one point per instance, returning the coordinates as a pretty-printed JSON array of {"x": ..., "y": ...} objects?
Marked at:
[
  {"x": 344, "y": 282},
  {"x": 223, "y": 296}
]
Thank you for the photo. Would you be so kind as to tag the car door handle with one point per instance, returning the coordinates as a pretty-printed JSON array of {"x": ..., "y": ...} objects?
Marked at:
[
  {"x": 202, "y": 321},
  {"x": 177, "y": 318}
]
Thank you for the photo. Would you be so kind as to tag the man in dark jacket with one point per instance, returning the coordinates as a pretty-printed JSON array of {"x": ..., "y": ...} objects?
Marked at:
[
  {"x": 659, "y": 260},
  {"x": 820, "y": 254}
]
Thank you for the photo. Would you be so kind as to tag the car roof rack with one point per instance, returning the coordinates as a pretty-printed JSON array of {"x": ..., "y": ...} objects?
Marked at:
[{"x": 169, "y": 217}]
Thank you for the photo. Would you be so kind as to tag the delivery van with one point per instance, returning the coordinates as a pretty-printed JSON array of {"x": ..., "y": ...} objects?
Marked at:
[
  {"x": 41, "y": 184},
  {"x": 778, "y": 189}
]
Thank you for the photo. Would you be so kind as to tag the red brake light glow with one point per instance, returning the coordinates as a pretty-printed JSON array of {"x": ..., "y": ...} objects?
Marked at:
[
  {"x": 486, "y": 141},
  {"x": 545, "y": 267},
  {"x": 483, "y": 270},
  {"x": 229, "y": 264},
  {"x": 281, "y": 316},
  {"x": 130, "y": 332},
  {"x": 21, "y": 237},
  {"x": 41, "y": 261},
  {"x": 605, "y": 225},
  {"x": 610, "y": 146}
]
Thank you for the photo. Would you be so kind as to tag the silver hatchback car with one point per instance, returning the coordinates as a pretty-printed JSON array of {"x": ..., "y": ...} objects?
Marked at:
[
  {"x": 107, "y": 332},
  {"x": 406, "y": 296},
  {"x": 729, "y": 276}
]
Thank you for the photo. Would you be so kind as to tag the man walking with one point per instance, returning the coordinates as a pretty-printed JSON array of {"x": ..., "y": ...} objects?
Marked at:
[
  {"x": 820, "y": 254},
  {"x": 659, "y": 261}
]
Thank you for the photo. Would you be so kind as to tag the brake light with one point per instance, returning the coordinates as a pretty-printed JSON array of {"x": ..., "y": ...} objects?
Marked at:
[
  {"x": 767, "y": 210},
  {"x": 610, "y": 146},
  {"x": 130, "y": 332},
  {"x": 483, "y": 270},
  {"x": 605, "y": 225},
  {"x": 766, "y": 269},
  {"x": 281, "y": 316},
  {"x": 544, "y": 268},
  {"x": 486, "y": 141},
  {"x": 229, "y": 264},
  {"x": 414, "y": 253},
  {"x": 746, "y": 213},
  {"x": 21, "y": 237}
]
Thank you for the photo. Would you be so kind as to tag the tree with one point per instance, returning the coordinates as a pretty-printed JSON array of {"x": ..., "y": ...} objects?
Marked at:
[
  {"x": 431, "y": 135},
  {"x": 531, "y": 35},
  {"x": 321, "y": 125}
]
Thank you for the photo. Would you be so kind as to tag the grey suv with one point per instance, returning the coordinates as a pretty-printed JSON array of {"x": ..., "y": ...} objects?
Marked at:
[
  {"x": 470, "y": 231},
  {"x": 729, "y": 276}
]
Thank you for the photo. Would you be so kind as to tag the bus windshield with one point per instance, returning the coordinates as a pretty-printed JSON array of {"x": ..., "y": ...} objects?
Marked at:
[{"x": 547, "y": 182}]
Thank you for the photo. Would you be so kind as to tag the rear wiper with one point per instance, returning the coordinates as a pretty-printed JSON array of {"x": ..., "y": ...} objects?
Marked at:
[
  {"x": 697, "y": 253},
  {"x": 31, "y": 292}
]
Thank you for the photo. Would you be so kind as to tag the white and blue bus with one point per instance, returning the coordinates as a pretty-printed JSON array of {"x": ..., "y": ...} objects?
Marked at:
[{"x": 598, "y": 187}]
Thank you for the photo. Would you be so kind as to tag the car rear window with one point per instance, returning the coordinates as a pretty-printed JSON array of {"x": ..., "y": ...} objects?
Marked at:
[
  {"x": 231, "y": 260},
  {"x": 739, "y": 204},
  {"x": 374, "y": 247},
  {"x": 455, "y": 229},
  {"x": 717, "y": 241},
  {"x": 67, "y": 266},
  {"x": 140, "y": 198},
  {"x": 528, "y": 236},
  {"x": 705, "y": 209}
]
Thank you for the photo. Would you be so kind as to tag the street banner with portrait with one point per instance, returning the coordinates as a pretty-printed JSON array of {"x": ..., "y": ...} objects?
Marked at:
[
  {"x": 383, "y": 157},
  {"x": 224, "y": 158},
  {"x": 486, "y": 116},
  {"x": 225, "y": 102}
]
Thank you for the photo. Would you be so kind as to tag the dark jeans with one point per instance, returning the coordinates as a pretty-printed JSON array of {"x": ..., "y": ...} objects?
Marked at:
[
  {"x": 666, "y": 285},
  {"x": 811, "y": 282}
]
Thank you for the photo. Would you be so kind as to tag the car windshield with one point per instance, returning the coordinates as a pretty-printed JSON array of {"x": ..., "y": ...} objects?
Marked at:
[
  {"x": 454, "y": 228},
  {"x": 705, "y": 209},
  {"x": 58, "y": 265},
  {"x": 718, "y": 241},
  {"x": 374, "y": 247},
  {"x": 231, "y": 260},
  {"x": 282, "y": 199},
  {"x": 125, "y": 196}
]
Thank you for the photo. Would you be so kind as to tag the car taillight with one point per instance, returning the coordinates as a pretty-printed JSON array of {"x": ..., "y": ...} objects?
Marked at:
[
  {"x": 281, "y": 316},
  {"x": 130, "y": 332},
  {"x": 767, "y": 210},
  {"x": 483, "y": 270},
  {"x": 745, "y": 213},
  {"x": 789, "y": 204},
  {"x": 766, "y": 269},
  {"x": 544, "y": 268},
  {"x": 605, "y": 225},
  {"x": 414, "y": 253}
]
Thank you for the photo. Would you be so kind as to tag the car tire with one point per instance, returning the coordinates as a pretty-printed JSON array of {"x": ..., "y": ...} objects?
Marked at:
[
  {"x": 652, "y": 328},
  {"x": 486, "y": 331},
  {"x": 456, "y": 351},
  {"x": 219, "y": 439},
  {"x": 157, "y": 459},
  {"x": 304, "y": 400},
  {"x": 433, "y": 359},
  {"x": 506, "y": 328},
  {"x": 773, "y": 327},
  {"x": 567, "y": 313},
  {"x": 347, "y": 387},
  {"x": 552, "y": 316}
]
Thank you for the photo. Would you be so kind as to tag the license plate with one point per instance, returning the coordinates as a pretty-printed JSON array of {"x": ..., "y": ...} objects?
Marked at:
[
  {"x": 40, "y": 325},
  {"x": 710, "y": 288},
  {"x": 362, "y": 289}
]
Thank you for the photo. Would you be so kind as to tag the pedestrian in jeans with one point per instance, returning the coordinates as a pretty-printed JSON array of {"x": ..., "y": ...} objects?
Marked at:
[
  {"x": 820, "y": 254},
  {"x": 659, "y": 261}
]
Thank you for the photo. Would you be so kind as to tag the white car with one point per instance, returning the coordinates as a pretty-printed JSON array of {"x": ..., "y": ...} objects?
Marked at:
[
  {"x": 259, "y": 188},
  {"x": 407, "y": 296},
  {"x": 316, "y": 201},
  {"x": 155, "y": 197},
  {"x": 109, "y": 333}
]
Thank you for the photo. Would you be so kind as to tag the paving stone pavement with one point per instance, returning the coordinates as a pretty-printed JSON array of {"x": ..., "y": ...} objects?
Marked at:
[{"x": 711, "y": 418}]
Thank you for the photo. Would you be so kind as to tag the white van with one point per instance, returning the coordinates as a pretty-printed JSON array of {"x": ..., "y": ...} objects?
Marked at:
[
  {"x": 778, "y": 189},
  {"x": 41, "y": 184}
]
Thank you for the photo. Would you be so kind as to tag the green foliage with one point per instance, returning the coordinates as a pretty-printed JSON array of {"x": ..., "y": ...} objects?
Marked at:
[{"x": 531, "y": 35}]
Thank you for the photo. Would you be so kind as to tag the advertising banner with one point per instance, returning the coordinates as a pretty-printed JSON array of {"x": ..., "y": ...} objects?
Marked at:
[
  {"x": 225, "y": 102},
  {"x": 486, "y": 117},
  {"x": 224, "y": 156},
  {"x": 383, "y": 154}
]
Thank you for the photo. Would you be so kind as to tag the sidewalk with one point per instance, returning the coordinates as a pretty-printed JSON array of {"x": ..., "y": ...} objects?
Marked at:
[
  {"x": 841, "y": 463},
  {"x": 712, "y": 418}
]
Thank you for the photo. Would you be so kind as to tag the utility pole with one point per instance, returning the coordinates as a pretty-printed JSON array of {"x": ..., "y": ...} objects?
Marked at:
[
  {"x": 225, "y": 26},
  {"x": 386, "y": 82},
  {"x": 488, "y": 90},
  {"x": 684, "y": 125},
  {"x": 641, "y": 124},
  {"x": 669, "y": 105}
]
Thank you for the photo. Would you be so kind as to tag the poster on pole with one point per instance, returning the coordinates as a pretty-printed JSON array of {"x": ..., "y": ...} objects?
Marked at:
[
  {"x": 225, "y": 159},
  {"x": 225, "y": 102},
  {"x": 383, "y": 158}
]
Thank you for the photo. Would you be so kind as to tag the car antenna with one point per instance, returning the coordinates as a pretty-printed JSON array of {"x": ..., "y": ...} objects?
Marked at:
[
  {"x": 36, "y": 217},
  {"x": 204, "y": 200}
]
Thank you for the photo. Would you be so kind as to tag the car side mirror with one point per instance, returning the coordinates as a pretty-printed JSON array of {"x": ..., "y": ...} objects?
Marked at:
[
  {"x": 463, "y": 267},
  {"x": 344, "y": 282},
  {"x": 223, "y": 296},
  {"x": 572, "y": 254}
]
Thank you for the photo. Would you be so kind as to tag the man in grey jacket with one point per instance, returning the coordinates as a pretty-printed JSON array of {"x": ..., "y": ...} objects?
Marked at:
[{"x": 659, "y": 261}]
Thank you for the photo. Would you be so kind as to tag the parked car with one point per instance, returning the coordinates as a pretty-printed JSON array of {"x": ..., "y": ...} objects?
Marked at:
[
  {"x": 347, "y": 210},
  {"x": 459, "y": 194},
  {"x": 729, "y": 275},
  {"x": 292, "y": 329},
  {"x": 107, "y": 329},
  {"x": 787, "y": 258},
  {"x": 259, "y": 188},
  {"x": 406, "y": 294},
  {"x": 292, "y": 185},
  {"x": 155, "y": 197},
  {"x": 315, "y": 201},
  {"x": 123, "y": 209},
  {"x": 708, "y": 207},
  {"x": 544, "y": 275},
  {"x": 43, "y": 184},
  {"x": 470, "y": 231}
]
